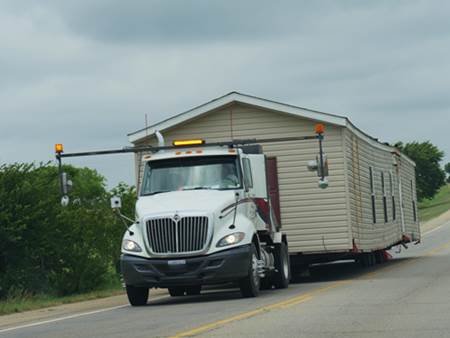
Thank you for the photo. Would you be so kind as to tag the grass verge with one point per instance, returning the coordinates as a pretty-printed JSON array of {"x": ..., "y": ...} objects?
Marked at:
[
  {"x": 436, "y": 206},
  {"x": 26, "y": 303}
]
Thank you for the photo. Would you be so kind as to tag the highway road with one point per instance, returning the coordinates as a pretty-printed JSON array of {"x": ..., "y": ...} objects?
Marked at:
[{"x": 406, "y": 297}]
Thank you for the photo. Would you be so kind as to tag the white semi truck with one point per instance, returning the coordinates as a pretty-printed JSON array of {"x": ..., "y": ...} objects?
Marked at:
[{"x": 203, "y": 216}]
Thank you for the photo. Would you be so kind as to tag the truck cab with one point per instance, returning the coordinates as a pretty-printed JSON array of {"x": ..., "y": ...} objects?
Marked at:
[{"x": 203, "y": 217}]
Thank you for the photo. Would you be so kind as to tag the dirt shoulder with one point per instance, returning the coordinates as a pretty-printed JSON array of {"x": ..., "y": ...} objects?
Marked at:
[{"x": 59, "y": 311}]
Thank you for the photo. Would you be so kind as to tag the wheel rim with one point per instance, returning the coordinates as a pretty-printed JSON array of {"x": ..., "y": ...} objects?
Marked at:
[{"x": 255, "y": 275}]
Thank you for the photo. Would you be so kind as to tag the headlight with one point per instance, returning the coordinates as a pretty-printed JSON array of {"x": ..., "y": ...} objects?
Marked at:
[
  {"x": 230, "y": 239},
  {"x": 128, "y": 245}
]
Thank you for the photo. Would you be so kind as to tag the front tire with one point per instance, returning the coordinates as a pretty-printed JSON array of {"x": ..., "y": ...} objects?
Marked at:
[
  {"x": 250, "y": 285},
  {"x": 282, "y": 265},
  {"x": 137, "y": 296}
]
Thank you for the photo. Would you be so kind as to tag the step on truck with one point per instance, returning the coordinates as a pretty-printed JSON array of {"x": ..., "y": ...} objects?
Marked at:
[{"x": 204, "y": 216}]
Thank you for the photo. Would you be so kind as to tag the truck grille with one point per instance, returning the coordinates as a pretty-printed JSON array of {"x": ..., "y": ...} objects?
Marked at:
[{"x": 167, "y": 235}]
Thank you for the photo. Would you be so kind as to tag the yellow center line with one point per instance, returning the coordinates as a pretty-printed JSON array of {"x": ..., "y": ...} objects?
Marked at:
[
  {"x": 302, "y": 298},
  {"x": 283, "y": 304}
]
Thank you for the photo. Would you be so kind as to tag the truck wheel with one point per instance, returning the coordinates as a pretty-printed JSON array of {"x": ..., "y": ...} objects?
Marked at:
[
  {"x": 177, "y": 291},
  {"x": 137, "y": 296},
  {"x": 250, "y": 285},
  {"x": 193, "y": 290},
  {"x": 283, "y": 270},
  {"x": 266, "y": 283}
]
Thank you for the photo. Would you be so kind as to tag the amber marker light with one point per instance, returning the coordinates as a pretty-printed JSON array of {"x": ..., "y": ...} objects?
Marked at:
[
  {"x": 180, "y": 143},
  {"x": 59, "y": 148},
  {"x": 319, "y": 128}
]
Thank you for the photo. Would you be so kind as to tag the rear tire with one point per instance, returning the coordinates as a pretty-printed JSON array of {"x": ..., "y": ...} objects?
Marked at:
[
  {"x": 137, "y": 296},
  {"x": 177, "y": 291},
  {"x": 250, "y": 285},
  {"x": 282, "y": 265}
]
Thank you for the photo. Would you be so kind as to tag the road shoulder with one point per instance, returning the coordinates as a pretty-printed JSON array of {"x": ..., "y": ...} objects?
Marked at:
[{"x": 43, "y": 314}]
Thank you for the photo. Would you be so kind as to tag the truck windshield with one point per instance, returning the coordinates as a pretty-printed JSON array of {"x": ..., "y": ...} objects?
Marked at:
[{"x": 191, "y": 173}]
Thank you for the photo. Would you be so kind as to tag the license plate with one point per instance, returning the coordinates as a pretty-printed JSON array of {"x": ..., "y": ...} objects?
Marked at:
[{"x": 177, "y": 262}]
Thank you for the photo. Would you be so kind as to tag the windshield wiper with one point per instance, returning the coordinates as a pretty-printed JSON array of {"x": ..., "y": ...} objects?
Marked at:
[
  {"x": 198, "y": 188},
  {"x": 154, "y": 192}
]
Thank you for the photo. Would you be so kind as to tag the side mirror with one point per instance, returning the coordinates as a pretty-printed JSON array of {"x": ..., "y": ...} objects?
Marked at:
[
  {"x": 65, "y": 201},
  {"x": 312, "y": 165},
  {"x": 116, "y": 202},
  {"x": 66, "y": 187},
  {"x": 66, "y": 184},
  {"x": 324, "y": 166},
  {"x": 323, "y": 184}
]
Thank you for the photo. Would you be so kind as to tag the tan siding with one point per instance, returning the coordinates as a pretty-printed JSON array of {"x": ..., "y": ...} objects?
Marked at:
[
  {"x": 360, "y": 156},
  {"x": 314, "y": 219},
  {"x": 407, "y": 172}
]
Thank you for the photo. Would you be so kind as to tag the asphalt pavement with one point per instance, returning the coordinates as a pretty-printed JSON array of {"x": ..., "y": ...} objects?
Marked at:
[{"x": 408, "y": 296}]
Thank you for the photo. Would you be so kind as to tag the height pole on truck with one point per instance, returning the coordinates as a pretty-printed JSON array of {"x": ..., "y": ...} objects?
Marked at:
[{"x": 319, "y": 129}]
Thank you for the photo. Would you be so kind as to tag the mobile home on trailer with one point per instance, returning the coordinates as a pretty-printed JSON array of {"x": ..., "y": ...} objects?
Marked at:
[{"x": 370, "y": 204}]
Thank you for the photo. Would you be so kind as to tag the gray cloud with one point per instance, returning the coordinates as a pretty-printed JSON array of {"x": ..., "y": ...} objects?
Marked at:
[{"x": 86, "y": 73}]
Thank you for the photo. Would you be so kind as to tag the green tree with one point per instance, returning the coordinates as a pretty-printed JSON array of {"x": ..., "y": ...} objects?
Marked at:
[
  {"x": 47, "y": 248},
  {"x": 429, "y": 174},
  {"x": 447, "y": 170}
]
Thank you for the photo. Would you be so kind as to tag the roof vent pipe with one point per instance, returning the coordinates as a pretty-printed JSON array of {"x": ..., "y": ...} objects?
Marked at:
[{"x": 160, "y": 138}]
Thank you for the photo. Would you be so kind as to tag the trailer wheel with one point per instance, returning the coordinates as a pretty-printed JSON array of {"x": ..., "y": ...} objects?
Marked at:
[
  {"x": 250, "y": 285},
  {"x": 282, "y": 265},
  {"x": 367, "y": 259},
  {"x": 177, "y": 291},
  {"x": 193, "y": 290},
  {"x": 379, "y": 256},
  {"x": 137, "y": 296}
]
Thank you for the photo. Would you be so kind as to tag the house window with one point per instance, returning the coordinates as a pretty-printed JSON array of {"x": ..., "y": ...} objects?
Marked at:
[
  {"x": 372, "y": 194},
  {"x": 383, "y": 190},
  {"x": 391, "y": 188}
]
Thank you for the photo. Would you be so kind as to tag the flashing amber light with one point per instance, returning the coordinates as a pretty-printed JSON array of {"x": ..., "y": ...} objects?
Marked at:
[
  {"x": 319, "y": 128},
  {"x": 199, "y": 151},
  {"x": 180, "y": 143},
  {"x": 178, "y": 153},
  {"x": 188, "y": 152},
  {"x": 59, "y": 148},
  {"x": 232, "y": 151}
]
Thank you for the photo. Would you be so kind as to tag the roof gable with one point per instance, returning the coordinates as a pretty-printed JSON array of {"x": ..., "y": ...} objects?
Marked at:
[{"x": 235, "y": 97}]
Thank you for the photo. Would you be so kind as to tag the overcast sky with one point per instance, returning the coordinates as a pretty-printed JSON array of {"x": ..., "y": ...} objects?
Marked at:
[{"x": 85, "y": 73}]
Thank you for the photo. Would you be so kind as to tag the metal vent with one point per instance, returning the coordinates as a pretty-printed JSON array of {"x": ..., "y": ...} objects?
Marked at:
[{"x": 168, "y": 235}]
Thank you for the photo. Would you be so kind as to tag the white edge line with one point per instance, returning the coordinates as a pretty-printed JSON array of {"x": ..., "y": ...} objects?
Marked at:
[
  {"x": 433, "y": 230},
  {"x": 68, "y": 317}
]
